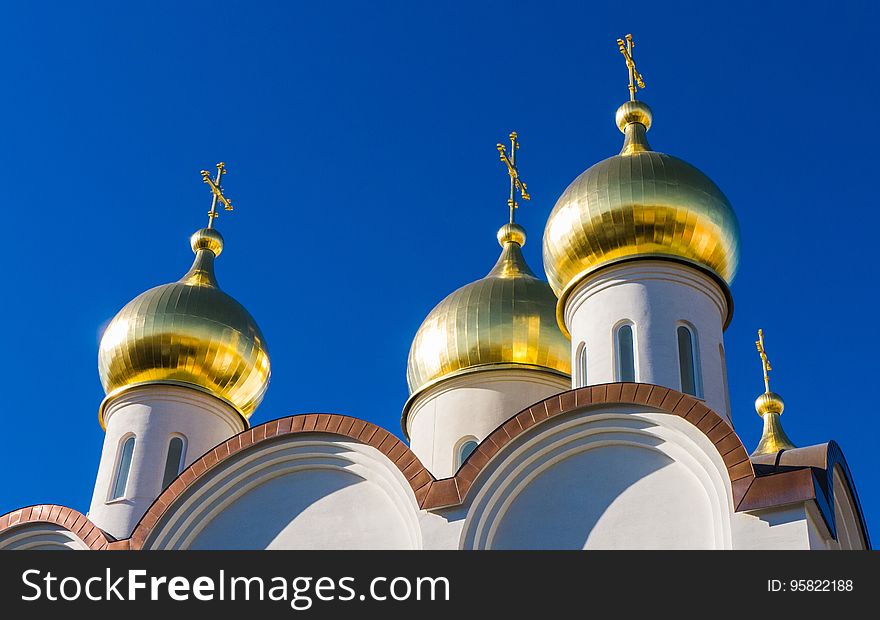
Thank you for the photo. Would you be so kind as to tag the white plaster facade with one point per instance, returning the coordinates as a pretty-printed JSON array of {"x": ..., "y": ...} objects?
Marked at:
[
  {"x": 153, "y": 414},
  {"x": 655, "y": 297},
  {"x": 604, "y": 477},
  {"x": 470, "y": 406}
]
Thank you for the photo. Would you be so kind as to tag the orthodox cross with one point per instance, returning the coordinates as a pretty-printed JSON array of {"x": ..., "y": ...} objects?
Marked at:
[
  {"x": 765, "y": 363},
  {"x": 516, "y": 183},
  {"x": 635, "y": 78},
  {"x": 217, "y": 190}
]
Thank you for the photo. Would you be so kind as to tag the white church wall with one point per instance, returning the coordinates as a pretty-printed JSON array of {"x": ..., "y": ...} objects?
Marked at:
[
  {"x": 785, "y": 527},
  {"x": 656, "y": 297},
  {"x": 153, "y": 414},
  {"x": 300, "y": 492},
  {"x": 610, "y": 477},
  {"x": 472, "y": 405},
  {"x": 442, "y": 529},
  {"x": 801, "y": 525},
  {"x": 41, "y": 537}
]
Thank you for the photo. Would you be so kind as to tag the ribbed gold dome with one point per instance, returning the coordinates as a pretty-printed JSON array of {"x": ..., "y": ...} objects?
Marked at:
[
  {"x": 188, "y": 333},
  {"x": 639, "y": 203},
  {"x": 505, "y": 319}
]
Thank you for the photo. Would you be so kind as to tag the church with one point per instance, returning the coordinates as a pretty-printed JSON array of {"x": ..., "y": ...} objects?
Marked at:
[{"x": 589, "y": 410}]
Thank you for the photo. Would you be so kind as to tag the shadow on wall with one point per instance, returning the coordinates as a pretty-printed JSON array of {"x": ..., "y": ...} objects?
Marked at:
[
  {"x": 612, "y": 496},
  {"x": 307, "y": 509}
]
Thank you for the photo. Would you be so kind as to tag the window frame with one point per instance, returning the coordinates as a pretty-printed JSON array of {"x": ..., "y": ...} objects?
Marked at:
[
  {"x": 615, "y": 337},
  {"x": 581, "y": 365},
  {"x": 181, "y": 459},
  {"x": 113, "y": 495},
  {"x": 694, "y": 359},
  {"x": 459, "y": 449}
]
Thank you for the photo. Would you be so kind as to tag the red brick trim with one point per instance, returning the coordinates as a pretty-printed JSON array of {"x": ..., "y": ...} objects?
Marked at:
[
  {"x": 360, "y": 430},
  {"x": 719, "y": 432},
  {"x": 73, "y": 521},
  {"x": 431, "y": 493}
]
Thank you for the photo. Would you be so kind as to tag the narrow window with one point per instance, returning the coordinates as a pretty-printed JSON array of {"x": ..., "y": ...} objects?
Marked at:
[
  {"x": 465, "y": 450},
  {"x": 688, "y": 362},
  {"x": 582, "y": 366},
  {"x": 123, "y": 468},
  {"x": 173, "y": 462},
  {"x": 626, "y": 357}
]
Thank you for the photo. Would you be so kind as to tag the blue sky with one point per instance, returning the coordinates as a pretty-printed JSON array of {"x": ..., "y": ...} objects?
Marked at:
[{"x": 360, "y": 142}]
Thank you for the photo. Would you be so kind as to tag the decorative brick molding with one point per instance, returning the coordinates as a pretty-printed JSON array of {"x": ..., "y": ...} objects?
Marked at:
[
  {"x": 783, "y": 483},
  {"x": 804, "y": 474},
  {"x": 719, "y": 432},
  {"x": 345, "y": 426},
  {"x": 431, "y": 493},
  {"x": 71, "y": 520}
]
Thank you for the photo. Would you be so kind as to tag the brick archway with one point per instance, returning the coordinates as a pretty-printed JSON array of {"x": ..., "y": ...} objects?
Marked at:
[
  {"x": 430, "y": 493},
  {"x": 71, "y": 520}
]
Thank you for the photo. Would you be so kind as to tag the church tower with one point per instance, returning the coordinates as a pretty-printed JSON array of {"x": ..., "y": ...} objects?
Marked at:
[
  {"x": 641, "y": 249},
  {"x": 184, "y": 365},
  {"x": 484, "y": 353}
]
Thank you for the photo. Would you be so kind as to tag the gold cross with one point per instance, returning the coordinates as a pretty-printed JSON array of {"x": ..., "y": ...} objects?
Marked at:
[
  {"x": 765, "y": 363},
  {"x": 635, "y": 78},
  {"x": 217, "y": 190},
  {"x": 515, "y": 182}
]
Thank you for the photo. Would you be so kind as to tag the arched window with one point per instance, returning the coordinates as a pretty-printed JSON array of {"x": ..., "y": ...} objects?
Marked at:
[
  {"x": 465, "y": 450},
  {"x": 626, "y": 355},
  {"x": 688, "y": 362},
  {"x": 122, "y": 469},
  {"x": 582, "y": 365},
  {"x": 174, "y": 461}
]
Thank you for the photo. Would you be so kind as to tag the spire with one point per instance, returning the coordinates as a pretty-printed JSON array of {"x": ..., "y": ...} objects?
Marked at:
[
  {"x": 769, "y": 406},
  {"x": 207, "y": 243}
]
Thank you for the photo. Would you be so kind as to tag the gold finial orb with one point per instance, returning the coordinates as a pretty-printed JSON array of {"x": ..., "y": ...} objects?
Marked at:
[
  {"x": 633, "y": 112},
  {"x": 769, "y": 402},
  {"x": 207, "y": 239},
  {"x": 512, "y": 233}
]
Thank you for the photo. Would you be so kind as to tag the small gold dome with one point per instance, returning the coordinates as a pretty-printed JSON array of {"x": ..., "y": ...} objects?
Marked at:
[
  {"x": 187, "y": 333},
  {"x": 769, "y": 406},
  {"x": 639, "y": 203},
  {"x": 504, "y": 319},
  {"x": 769, "y": 402}
]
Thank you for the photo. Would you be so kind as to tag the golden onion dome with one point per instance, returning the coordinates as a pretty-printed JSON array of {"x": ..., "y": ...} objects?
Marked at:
[
  {"x": 506, "y": 319},
  {"x": 639, "y": 203},
  {"x": 187, "y": 333}
]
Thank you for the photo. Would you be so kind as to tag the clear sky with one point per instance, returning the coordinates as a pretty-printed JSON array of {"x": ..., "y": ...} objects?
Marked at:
[{"x": 360, "y": 142}]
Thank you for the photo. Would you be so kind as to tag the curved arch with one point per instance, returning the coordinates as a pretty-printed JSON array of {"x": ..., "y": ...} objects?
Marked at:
[
  {"x": 431, "y": 493},
  {"x": 608, "y": 427},
  {"x": 204, "y": 504},
  {"x": 667, "y": 400},
  {"x": 395, "y": 450},
  {"x": 69, "y": 519}
]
